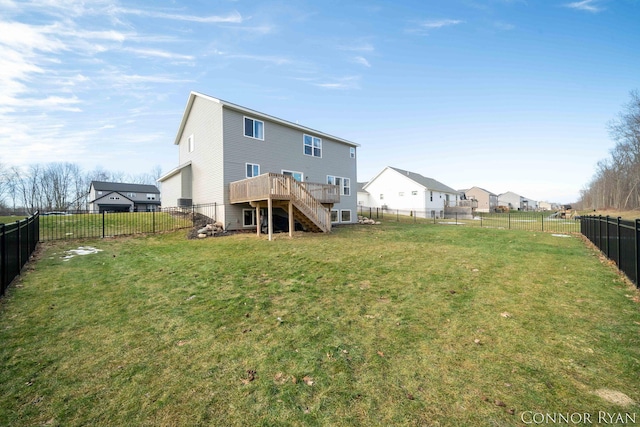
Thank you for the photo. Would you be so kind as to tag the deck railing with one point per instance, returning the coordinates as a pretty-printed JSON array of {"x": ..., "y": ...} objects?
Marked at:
[{"x": 270, "y": 185}]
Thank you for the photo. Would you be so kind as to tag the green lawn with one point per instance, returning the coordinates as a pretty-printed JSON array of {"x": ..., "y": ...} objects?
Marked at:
[{"x": 396, "y": 324}]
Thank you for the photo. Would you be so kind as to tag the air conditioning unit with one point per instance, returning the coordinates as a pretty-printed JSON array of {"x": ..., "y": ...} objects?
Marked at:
[{"x": 185, "y": 203}]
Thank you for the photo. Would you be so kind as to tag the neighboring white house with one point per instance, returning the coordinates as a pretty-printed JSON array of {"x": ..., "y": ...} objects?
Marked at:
[
  {"x": 398, "y": 189},
  {"x": 487, "y": 201},
  {"x": 253, "y": 165},
  {"x": 122, "y": 197}
]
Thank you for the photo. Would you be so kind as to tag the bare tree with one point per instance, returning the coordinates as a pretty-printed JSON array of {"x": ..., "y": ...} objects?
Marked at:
[{"x": 616, "y": 183}]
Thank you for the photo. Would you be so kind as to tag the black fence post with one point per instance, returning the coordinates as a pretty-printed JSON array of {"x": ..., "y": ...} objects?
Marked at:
[
  {"x": 18, "y": 246},
  {"x": 103, "y": 224},
  {"x": 542, "y": 221},
  {"x": 637, "y": 236},
  {"x": 618, "y": 243},
  {"x": 607, "y": 234},
  {"x": 3, "y": 260}
]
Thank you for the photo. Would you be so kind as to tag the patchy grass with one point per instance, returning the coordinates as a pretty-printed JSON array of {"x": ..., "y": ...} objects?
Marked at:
[{"x": 397, "y": 324}]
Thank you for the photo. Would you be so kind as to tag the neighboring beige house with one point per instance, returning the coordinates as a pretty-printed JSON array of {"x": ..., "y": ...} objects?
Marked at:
[
  {"x": 256, "y": 166},
  {"x": 123, "y": 197},
  {"x": 545, "y": 206},
  {"x": 487, "y": 201}
]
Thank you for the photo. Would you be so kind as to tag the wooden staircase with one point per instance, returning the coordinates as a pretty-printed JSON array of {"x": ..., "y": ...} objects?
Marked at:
[{"x": 310, "y": 202}]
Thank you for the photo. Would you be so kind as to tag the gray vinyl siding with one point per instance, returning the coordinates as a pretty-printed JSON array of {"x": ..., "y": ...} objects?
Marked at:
[{"x": 282, "y": 149}]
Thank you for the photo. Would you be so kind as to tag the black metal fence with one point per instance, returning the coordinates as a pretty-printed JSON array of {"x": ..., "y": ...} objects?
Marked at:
[
  {"x": 86, "y": 224},
  {"x": 518, "y": 220},
  {"x": 618, "y": 239},
  {"x": 18, "y": 240}
]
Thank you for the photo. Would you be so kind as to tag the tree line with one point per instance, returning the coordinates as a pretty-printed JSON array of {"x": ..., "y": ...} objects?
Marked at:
[
  {"x": 57, "y": 186},
  {"x": 616, "y": 183}
]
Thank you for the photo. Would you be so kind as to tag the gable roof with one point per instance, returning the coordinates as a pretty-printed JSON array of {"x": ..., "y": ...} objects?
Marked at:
[
  {"x": 481, "y": 189},
  {"x": 244, "y": 110},
  {"x": 426, "y": 182},
  {"x": 123, "y": 187}
]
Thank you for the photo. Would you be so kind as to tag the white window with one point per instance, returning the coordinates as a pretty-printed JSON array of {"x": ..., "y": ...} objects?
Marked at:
[
  {"x": 131, "y": 194},
  {"x": 431, "y": 196},
  {"x": 414, "y": 193},
  {"x": 99, "y": 193},
  {"x": 253, "y": 128},
  {"x": 343, "y": 183},
  {"x": 296, "y": 175},
  {"x": 312, "y": 146},
  {"x": 352, "y": 152},
  {"x": 345, "y": 215},
  {"x": 252, "y": 170},
  {"x": 381, "y": 196},
  {"x": 334, "y": 215},
  {"x": 151, "y": 196},
  {"x": 114, "y": 198},
  {"x": 191, "y": 143}
]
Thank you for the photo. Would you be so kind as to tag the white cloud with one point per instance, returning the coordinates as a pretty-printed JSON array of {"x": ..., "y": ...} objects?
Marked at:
[
  {"x": 159, "y": 54},
  {"x": 233, "y": 17},
  {"x": 440, "y": 23},
  {"x": 423, "y": 27},
  {"x": 362, "y": 61},
  {"x": 276, "y": 60},
  {"x": 343, "y": 83},
  {"x": 585, "y": 5}
]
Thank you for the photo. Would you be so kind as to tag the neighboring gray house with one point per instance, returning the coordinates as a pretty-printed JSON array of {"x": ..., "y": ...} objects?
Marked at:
[
  {"x": 487, "y": 201},
  {"x": 399, "y": 189},
  {"x": 516, "y": 202},
  {"x": 121, "y": 197},
  {"x": 255, "y": 166},
  {"x": 513, "y": 201}
]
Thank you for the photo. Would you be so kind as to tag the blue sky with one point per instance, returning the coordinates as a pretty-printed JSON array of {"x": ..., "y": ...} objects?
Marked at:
[{"x": 509, "y": 95}]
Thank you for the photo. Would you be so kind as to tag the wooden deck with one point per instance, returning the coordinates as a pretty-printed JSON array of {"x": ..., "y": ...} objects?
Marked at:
[{"x": 309, "y": 203}]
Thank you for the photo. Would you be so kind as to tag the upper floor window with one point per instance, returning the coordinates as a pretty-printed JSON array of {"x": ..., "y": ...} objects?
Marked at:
[
  {"x": 312, "y": 146},
  {"x": 253, "y": 128},
  {"x": 252, "y": 170},
  {"x": 192, "y": 144},
  {"x": 131, "y": 195},
  {"x": 151, "y": 196},
  {"x": 352, "y": 152}
]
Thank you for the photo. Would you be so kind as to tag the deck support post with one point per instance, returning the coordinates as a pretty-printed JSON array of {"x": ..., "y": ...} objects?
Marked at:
[
  {"x": 270, "y": 216},
  {"x": 291, "y": 222},
  {"x": 258, "y": 218}
]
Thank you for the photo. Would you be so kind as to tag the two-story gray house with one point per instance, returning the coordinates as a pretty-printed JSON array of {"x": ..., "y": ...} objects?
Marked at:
[
  {"x": 122, "y": 197},
  {"x": 254, "y": 166}
]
